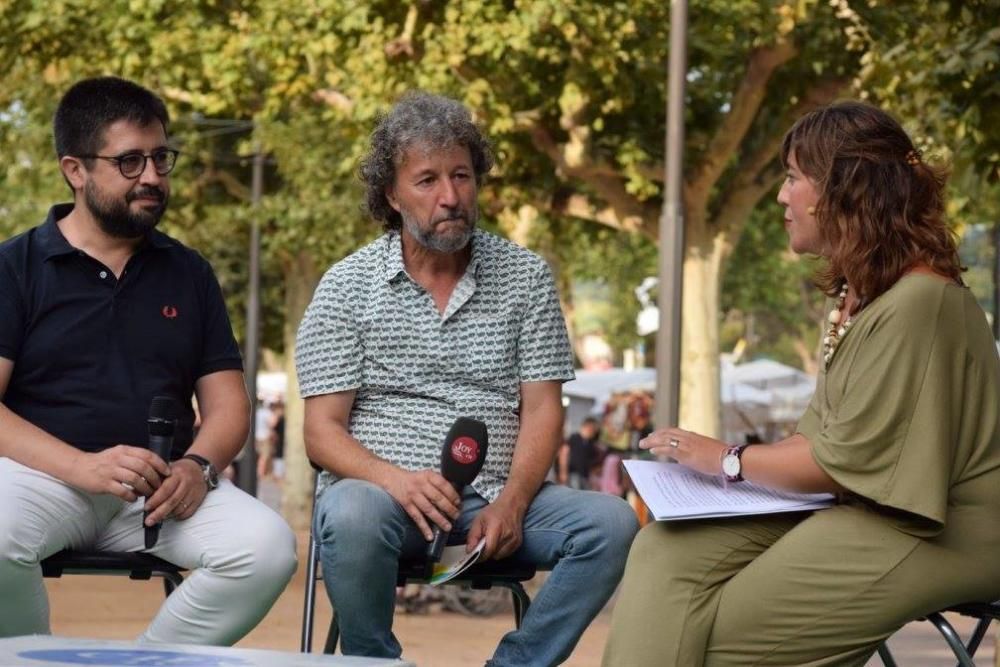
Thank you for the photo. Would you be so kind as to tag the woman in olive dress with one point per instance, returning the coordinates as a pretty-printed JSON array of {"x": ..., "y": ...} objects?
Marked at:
[{"x": 903, "y": 427}]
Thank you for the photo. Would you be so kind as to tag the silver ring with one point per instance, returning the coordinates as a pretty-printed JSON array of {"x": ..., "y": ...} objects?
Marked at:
[
  {"x": 674, "y": 442},
  {"x": 127, "y": 486}
]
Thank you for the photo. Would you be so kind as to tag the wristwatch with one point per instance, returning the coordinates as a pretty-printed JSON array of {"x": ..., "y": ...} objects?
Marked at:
[
  {"x": 208, "y": 470},
  {"x": 732, "y": 464}
]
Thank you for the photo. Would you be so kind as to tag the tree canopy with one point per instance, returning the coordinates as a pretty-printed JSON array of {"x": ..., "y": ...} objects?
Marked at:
[{"x": 571, "y": 94}]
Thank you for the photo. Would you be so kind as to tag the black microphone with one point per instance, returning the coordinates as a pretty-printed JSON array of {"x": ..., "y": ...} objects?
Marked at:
[
  {"x": 462, "y": 458},
  {"x": 162, "y": 422}
]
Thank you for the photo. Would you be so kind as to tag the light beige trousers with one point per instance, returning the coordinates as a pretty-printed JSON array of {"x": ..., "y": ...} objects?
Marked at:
[
  {"x": 241, "y": 552},
  {"x": 790, "y": 589}
]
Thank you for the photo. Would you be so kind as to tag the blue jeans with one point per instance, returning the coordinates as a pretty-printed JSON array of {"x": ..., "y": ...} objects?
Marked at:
[{"x": 583, "y": 535}]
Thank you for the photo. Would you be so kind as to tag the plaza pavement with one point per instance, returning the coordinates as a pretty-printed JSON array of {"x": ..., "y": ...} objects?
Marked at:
[{"x": 117, "y": 608}]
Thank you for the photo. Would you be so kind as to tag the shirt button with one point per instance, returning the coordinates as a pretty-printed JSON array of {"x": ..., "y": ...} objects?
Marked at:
[{"x": 103, "y": 274}]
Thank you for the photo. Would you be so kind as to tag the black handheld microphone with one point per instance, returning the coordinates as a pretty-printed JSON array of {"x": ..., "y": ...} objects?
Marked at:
[
  {"x": 462, "y": 458},
  {"x": 162, "y": 422}
]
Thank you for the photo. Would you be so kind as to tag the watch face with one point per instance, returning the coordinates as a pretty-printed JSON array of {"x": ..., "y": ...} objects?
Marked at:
[
  {"x": 731, "y": 465},
  {"x": 211, "y": 476}
]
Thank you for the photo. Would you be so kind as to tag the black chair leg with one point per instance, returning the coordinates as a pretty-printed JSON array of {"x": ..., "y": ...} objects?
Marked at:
[
  {"x": 950, "y": 636},
  {"x": 309, "y": 606},
  {"x": 332, "y": 636},
  {"x": 977, "y": 636},
  {"x": 171, "y": 580},
  {"x": 885, "y": 655},
  {"x": 521, "y": 602}
]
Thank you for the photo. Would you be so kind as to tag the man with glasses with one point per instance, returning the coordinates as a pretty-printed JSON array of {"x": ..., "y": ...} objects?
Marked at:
[{"x": 99, "y": 313}]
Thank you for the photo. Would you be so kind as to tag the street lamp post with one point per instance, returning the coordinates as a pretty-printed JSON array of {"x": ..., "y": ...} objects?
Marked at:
[
  {"x": 996, "y": 280},
  {"x": 247, "y": 477},
  {"x": 671, "y": 264},
  {"x": 248, "y": 469}
]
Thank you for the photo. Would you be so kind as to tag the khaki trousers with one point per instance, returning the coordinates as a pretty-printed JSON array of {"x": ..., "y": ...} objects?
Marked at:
[
  {"x": 241, "y": 552},
  {"x": 791, "y": 589}
]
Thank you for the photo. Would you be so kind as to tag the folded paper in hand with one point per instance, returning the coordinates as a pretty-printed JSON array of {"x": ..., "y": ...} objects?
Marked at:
[
  {"x": 454, "y": 561},
  {"x": 672, "y": 491}
]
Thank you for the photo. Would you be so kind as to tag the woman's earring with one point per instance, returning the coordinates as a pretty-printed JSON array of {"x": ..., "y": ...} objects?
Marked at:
[{"x": 811, "y": 210}]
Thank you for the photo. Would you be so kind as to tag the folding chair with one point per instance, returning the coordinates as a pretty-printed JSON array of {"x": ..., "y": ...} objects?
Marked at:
[
  {"x": 984, "y": 612},
  {"x": 505, "y": 573},
  {"x": 139, "y": 566}
]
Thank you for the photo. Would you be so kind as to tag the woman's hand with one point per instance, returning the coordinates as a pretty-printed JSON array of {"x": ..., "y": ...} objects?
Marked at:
[{"x": 695, "y": 451}]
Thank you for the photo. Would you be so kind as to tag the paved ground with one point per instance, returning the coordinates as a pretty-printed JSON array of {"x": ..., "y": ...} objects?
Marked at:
[
  {"x": 116, "y": 608},
  {"x": 113, "y": 607}
]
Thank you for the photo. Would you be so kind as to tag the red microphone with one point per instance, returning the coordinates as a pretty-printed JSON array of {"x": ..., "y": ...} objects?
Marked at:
[{"x": 462, "y": 458}]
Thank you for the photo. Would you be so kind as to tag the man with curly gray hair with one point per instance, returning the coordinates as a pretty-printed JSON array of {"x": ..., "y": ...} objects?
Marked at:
[
  {"x": 430, "y": 122},
  {"x": 435, "y": 320}
]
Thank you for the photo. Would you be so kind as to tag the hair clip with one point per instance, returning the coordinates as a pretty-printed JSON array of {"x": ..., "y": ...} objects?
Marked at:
[{"x": 913, "y": 157}]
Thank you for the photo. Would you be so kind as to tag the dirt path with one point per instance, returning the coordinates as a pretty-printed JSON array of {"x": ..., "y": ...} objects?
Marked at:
[{"x": 116, "y": 608}]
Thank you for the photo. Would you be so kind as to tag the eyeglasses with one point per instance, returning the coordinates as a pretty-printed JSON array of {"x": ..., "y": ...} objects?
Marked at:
[{"x": 131, "y": 165}]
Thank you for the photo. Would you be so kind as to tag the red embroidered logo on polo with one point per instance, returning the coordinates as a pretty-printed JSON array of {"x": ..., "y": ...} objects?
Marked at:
[{"x": 169, "y": 312}]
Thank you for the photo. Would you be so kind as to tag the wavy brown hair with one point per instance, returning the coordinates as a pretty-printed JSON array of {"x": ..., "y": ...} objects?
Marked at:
[{"x": 881, "y": 207}]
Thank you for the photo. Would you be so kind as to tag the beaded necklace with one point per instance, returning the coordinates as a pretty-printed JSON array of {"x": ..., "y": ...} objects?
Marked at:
[{"x": 837, "y": 327}]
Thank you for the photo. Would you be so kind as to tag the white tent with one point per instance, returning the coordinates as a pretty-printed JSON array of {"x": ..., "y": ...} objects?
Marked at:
[
  {"x": 766, "y": 374},
  {"x": 763, "y": 397},
  {"x": 790, "y": 390},
  {"x": 743, "y": 394},
  {"x": 272, "y": 386},
  {"x": 598, "y": 385}
]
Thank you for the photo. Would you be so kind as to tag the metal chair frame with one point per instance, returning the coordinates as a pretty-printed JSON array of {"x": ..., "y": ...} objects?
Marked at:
[
  {"x": 481, "y": 576},
  {"x": 138, "y": 566},
  {"x": 984, "y": 612}
]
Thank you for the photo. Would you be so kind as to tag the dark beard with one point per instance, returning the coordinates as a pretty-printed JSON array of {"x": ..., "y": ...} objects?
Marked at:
[{"x": 117, "y": 220}]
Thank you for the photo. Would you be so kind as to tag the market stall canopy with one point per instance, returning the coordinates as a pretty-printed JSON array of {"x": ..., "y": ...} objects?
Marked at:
[{"x": 762, "y": 396}]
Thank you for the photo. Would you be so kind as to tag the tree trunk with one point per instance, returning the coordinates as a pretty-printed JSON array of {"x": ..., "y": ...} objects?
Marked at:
[
  {"x": 808, "y": 356},
  {"x": 517, "y": 225},
  {"x": 301, "y": 277},
  {"x": 699, "y": 391}
]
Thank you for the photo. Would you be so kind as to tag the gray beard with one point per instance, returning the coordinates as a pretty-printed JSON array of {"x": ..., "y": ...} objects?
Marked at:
[{"x": 437, "y": 242}]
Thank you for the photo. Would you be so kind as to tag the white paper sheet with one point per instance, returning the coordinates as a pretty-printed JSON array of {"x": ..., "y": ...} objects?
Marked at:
[
  {"x": 454, "y": 561},
  {"x": 672, "y": 491}
]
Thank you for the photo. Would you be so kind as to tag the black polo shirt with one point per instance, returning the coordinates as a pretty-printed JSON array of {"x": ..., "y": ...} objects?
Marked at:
[{"x": 90, "y": 351}]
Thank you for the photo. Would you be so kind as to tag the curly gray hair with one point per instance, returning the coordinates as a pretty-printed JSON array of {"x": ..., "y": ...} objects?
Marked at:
[{"x": 419, "y": 118}]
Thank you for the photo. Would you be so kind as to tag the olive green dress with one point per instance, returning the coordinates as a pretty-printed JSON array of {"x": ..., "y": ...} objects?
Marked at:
[{"x": 906, "y": 419}]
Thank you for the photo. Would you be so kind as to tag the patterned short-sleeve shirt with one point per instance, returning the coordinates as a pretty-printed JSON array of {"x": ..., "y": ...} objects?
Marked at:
[{"x": 372, "y": 329}]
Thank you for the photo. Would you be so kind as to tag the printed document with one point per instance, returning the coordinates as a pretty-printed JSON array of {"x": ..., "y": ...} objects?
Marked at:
[
  {"x": 454, "y": 561},
  {"x": 672, "y": 491}
]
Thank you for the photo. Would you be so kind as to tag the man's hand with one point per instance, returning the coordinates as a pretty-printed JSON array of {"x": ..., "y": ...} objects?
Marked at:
[
  {"x": 124, "y": 471},
  {"x": 180, "y": 495},
  {"x": 500, "y": 523},
  {"x": 425, "y": 495}
]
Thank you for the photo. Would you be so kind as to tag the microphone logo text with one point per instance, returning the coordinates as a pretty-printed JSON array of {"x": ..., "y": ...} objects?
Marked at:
[{"x": 465, "y": 450}]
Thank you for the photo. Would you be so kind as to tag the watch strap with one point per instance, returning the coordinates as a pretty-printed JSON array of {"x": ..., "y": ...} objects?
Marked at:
[
  {"x": 200, "y": 460},
  {"x": 207, "y": 469}
]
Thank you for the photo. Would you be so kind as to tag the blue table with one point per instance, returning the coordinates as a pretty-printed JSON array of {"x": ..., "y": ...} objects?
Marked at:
[{"x": 49, "y": 651}]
